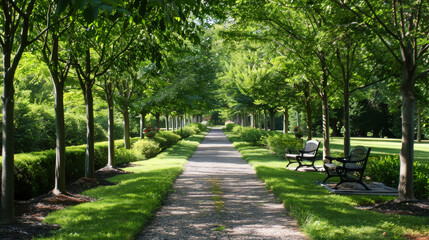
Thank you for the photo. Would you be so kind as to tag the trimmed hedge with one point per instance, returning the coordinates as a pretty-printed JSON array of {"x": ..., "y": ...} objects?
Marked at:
[
  {"x": 147, "y": 147},
  {"x": 34, "y": 172},
  {"x": 166, "y": 139}
]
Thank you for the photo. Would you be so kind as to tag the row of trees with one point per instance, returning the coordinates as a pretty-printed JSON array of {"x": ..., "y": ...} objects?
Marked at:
[
  {"x": 331, "y": 50},
  {"x": 116, "y": 46}
]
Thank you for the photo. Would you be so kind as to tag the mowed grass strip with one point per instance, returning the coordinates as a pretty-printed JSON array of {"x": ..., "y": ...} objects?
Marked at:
[
  {"x": 123, "y": 210},
  {"x": 323, "y": 215}
]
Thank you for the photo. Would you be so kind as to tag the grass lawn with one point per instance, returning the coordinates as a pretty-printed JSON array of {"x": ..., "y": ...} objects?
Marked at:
[
  {"x": 379, "y": 146},
  {"x": 323, "y": 215},
  {"x": 123, "y": 209}
]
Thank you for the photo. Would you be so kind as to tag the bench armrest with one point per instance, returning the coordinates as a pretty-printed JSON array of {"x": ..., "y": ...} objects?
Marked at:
[
  {"x": 302, "y": 151},
  {"x": 339, "y": 159}
]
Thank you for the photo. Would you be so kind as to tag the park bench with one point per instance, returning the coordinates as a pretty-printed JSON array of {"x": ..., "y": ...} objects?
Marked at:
[
  {"x": 307, "y": 154},
  {"x": 350, "y": 168}
]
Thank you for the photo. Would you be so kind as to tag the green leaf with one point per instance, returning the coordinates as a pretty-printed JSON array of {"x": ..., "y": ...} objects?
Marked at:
[
  {"x": 61, "y": 6},
  {"x": 90, "y": 14},
  {"x": 106, "y": 8},
  {"x": 79, "y": 4}
]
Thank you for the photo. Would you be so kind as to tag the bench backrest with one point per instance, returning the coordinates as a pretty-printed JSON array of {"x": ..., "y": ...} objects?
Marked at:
[
  {"x": 358, "y": 159},
  {"x": 311, "y": 147}
]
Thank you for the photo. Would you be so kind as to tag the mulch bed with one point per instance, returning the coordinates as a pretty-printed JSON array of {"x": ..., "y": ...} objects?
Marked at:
[{"x": 31, "y": 213}]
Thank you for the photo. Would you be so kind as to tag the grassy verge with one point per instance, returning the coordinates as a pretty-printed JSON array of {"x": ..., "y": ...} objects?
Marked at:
[
  {"x": 123, "y": 209},
  {"x": 323, "y": 215}
]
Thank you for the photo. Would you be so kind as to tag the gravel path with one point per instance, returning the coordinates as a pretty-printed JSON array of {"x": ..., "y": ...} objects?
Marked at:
[{"x": 219, "y": 197}]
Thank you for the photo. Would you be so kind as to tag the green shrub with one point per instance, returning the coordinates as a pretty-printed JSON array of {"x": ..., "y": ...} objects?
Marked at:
[
  {"x": 385, "y": 169},
  {"x": 237, "y": 129},
  {"x": 194, "y": 127},
  {"x": 278, "y": 143},
  {"x": 229, "y": 127},
  {"x": 185, "y": 132},
  {"x": 265, "y": 136},
  {"x": 123, "y": 155},
  {"x": 169, "y": 137},
  {"x": 201, "y": 127},
  {"x": 147, "y": 147},
  {"x": 251, "y": 135}
]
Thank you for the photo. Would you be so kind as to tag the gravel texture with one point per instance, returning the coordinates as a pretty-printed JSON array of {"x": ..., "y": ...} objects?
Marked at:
[{"x": 219, "y": 197}]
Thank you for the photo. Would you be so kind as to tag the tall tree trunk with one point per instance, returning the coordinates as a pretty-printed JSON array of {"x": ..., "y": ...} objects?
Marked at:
[
  {"x": 297, "y": 119},
  {"x": 272, "y": 112},
  {"x": 419, "y": 124},
  {"x": 89, "y": 154},
  {"x": 265, "y": 120},
  {"x": 405, "y": 188},
  {"x": 166, "y": 122},
  {"x": 157, "y": 124},
  {"x": 60, "y": 159},
  {"x": 308, "y": 111},
  {"x": 325, "y": 107},
  {"x": 181, "y": 125},
  {"x": 346, "y": 119},
  {"x": 111, "y": 133},
  {"x": 7, "y": 213},
  {"x": 126, "y": 115},
  {"x": 142, "y": 123},
  {"x": 285, "y": 121}
]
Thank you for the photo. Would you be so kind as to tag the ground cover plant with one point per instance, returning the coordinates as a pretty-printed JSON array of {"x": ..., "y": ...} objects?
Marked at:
[
  {"x": 123, "y": 209},
  {"x": 323, "y": 215}
]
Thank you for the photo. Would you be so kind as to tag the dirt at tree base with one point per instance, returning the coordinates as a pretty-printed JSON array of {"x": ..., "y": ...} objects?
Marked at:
[{"x": 31, "y": 213}]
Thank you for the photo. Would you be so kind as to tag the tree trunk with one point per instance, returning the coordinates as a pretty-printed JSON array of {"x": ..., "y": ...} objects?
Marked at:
[
  {"x": 181, "y": 126},
  {"x": 346, "y": 119},
  {"x": 166, "y": 123},
  {"x": 252, "y": 123},
  {"x": 405, "y": 188},
  {"x": 325, "y": 107},
  {"x": 111, "y": 132},
  {"x": 90, "y": 154},
  {"x": 285, "y": 121},
  {"x": 419, "y": 124},
  {"x": 265, "y": 120},
  {"x": 7, "y": 213},
  {"x": 60, "y": 159},
  {"x": 157, "y": 124},
  {"x": 308, "y": 111},
  {"x": 142, "y": 123},
  {"x": 272, "y": 119},
  {"x": 297, "y": 119},
  {"x": 126, "y": 115}
]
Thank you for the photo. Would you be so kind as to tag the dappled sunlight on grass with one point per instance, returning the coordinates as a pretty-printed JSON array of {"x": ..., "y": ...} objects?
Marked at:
[
  {"x": 323, "y": 215},
  {"x": 122, "y": 210}
]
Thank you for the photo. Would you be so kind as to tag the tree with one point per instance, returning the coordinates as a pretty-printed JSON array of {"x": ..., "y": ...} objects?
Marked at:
[
  {"x": 92, "y": 59},
  {"x": 16, "y": 18},
  {"x": 59, "y": 62},
  {"x": 401, "y": 26}
]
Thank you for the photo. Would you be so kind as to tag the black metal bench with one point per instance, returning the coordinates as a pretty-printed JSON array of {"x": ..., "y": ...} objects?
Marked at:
[
  {"x": 308, "y": 153},
  {"x": 350, "y": 169}
]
